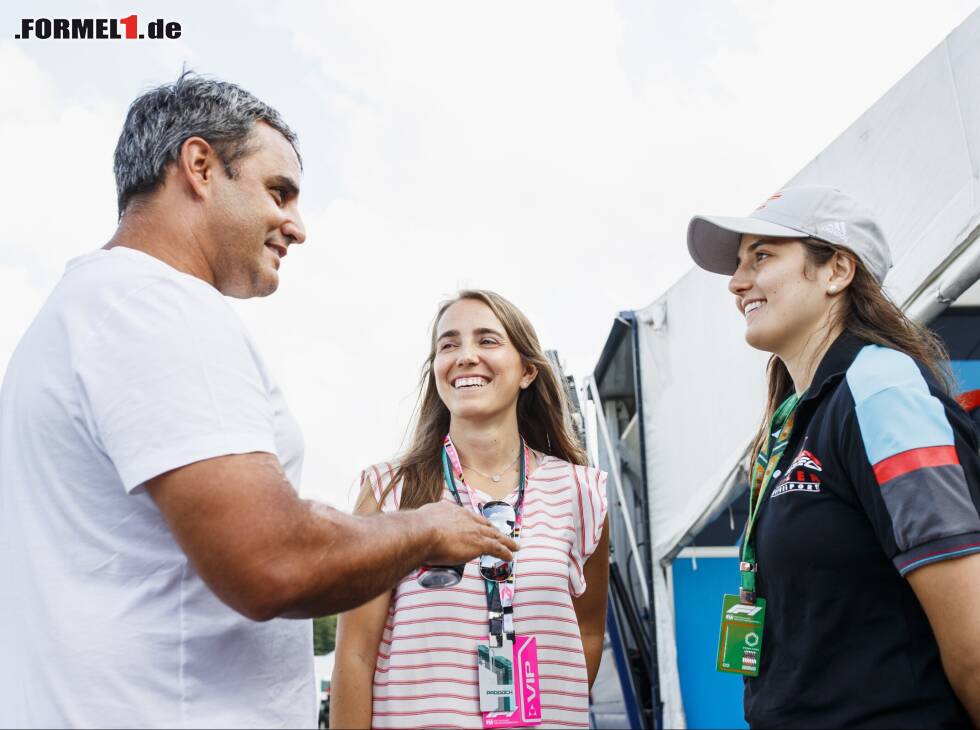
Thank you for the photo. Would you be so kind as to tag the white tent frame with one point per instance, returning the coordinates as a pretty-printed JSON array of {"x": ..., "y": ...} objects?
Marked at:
[{"x": 914, "y": 158}]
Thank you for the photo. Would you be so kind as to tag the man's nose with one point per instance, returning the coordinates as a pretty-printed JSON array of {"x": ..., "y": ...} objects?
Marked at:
[{"x": 293, "y": 229}]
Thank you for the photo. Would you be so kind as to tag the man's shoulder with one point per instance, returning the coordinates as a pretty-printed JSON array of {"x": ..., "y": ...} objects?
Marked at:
[
  {"x": 128, "y": 272},
  {"x": 126, "y": 288}
]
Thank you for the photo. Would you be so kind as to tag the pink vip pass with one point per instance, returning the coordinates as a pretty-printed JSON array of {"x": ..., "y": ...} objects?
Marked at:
[{"x": 527, "y": 693}]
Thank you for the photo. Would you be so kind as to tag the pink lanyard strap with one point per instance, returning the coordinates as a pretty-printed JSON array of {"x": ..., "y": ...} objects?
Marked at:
[{"x": 500, "y": 596}]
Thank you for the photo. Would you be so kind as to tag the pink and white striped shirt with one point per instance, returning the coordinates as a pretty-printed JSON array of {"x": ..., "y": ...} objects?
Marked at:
[{"x": 426, "y": 671}]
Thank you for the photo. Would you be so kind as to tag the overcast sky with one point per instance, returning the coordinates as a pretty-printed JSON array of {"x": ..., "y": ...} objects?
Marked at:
[{"x": 551, "y": 151}]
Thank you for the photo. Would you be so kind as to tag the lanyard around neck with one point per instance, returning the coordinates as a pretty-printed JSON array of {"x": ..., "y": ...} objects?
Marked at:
[
  {"x": 452, "y": 470},
  {"x": 762, "y": 473},
  {"x": 500, "y": 596}
]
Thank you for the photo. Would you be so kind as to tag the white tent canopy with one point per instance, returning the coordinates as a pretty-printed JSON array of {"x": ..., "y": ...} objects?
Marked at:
[{"x": 914, "y": 158}]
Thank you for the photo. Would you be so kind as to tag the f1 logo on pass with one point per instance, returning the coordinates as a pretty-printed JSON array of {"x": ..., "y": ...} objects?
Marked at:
[{"x": 744, "y": 609}]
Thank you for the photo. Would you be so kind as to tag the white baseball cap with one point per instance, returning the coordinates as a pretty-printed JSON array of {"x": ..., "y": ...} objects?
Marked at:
[{"x": 800, "y": 211}]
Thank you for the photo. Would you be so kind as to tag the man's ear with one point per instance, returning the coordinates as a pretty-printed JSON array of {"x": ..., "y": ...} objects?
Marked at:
[{"x": 197, "y": 165}]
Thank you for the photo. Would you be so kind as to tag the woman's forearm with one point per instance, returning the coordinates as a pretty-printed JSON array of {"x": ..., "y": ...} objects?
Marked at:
[
  {"x": 351, "y": 694},
  {"x": 590, "y": 607},
  {"x": 592, "y": 646},
  {"x": 967, "y": 688}
]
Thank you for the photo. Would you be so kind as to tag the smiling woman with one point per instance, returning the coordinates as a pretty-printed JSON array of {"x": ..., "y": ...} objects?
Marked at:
[
  {"x": 482, "y": 335},
  {"x": 860, "y": 554},
  {"x": 493, "y": 432}
]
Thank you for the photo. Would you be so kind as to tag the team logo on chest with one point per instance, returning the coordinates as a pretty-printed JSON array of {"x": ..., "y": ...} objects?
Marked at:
[{"x": 803, "y": 475}]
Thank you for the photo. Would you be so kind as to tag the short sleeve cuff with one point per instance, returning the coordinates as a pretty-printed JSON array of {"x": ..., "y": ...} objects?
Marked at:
[
  {"x": 588, "y": 528},
  {"x": 152, "y": 462},
  {"x": 945, "y": 548},
  {"x": 379, "y": 478}
]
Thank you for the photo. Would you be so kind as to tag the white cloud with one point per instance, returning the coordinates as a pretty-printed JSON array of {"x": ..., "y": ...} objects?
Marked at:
[
  {"x": 551, "y": 151},
  {"x": 19, "y": 300},
  {"x": 58, "y": 169},
  {"x": 555, "y": 152}
]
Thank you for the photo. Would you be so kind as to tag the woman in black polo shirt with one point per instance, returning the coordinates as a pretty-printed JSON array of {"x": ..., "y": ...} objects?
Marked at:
[{"x": 863, "y": 545}]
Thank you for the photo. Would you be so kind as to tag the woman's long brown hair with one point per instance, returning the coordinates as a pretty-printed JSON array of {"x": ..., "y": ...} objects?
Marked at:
[
  {"x": 870, "y": 315},
  {"x": 543, "y": 417}
]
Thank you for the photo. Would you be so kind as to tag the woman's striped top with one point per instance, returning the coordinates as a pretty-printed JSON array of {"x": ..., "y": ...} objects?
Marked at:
[{"x": 426, "y": 671}]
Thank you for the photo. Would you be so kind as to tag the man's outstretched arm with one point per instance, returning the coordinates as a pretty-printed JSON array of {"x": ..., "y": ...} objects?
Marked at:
[{"x": 267, "y": 553}]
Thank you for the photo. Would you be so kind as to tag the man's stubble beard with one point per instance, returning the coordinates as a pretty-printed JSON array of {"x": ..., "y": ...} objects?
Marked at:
[
  {"x": 240, "y": 271},
  {"x": 248, "y": 277}
]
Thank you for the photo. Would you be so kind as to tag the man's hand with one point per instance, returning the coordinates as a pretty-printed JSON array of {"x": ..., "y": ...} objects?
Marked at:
[{"x": 457, "y": 535}]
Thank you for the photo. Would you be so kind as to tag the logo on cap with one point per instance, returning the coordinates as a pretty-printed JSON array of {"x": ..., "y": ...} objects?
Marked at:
[
  {"x": 776, "y": 196},
  {"x": 835, "y": 228}
]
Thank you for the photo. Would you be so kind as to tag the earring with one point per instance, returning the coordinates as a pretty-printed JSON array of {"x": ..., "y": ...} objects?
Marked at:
[{"x": 832, "y": 290}]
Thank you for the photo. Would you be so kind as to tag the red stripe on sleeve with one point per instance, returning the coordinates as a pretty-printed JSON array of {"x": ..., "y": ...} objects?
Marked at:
[
  {"x": 592, "y": 492},
  {"x": 376, "y": 485},
  {"x": 907, "y": 461},
  {"x": 581, "y": 509},
  {"x": 969, "y": 400}
]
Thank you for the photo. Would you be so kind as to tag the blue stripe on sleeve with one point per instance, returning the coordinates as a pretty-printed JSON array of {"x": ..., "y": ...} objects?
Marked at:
[
  {"x": 905, "y": 570},
  {"x": 895, "y": 410}
]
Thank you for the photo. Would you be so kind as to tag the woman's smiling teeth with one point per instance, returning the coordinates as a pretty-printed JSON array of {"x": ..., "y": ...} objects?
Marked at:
[
  {"x": 752, "y": 306},
  {"x": 470, "y": 382}
]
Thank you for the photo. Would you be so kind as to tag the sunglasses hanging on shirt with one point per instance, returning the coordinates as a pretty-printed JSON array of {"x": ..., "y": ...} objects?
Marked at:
[{"x": 503, "y": 516}]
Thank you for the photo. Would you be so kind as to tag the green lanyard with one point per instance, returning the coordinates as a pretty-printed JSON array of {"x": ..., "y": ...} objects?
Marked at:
[{"x": 762, "y": 471}]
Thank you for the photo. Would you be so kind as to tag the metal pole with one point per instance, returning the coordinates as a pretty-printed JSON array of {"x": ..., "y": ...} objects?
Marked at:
[
  {"x": 960, "y": 274},
  {"x": 618, "y": 483}
]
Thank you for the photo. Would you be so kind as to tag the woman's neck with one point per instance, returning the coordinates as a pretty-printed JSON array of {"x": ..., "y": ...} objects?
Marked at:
[
  {"x": 803, "y": 358},
  {"x": 486, "y": 446}
]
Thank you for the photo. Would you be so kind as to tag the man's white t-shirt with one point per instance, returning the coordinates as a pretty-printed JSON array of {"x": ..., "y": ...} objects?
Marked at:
[{"x": 132, "y": 369}]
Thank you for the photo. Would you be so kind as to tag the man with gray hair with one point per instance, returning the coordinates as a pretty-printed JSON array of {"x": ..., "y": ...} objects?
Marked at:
[{"x": 153, "y": 549}]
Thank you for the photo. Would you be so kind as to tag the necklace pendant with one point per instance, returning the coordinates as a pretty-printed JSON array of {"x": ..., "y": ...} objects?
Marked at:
[{"x": 496, "y": 477}]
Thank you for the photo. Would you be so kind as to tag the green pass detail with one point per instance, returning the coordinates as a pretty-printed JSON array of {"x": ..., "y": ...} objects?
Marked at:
[{"x": 740, "y": 642}]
